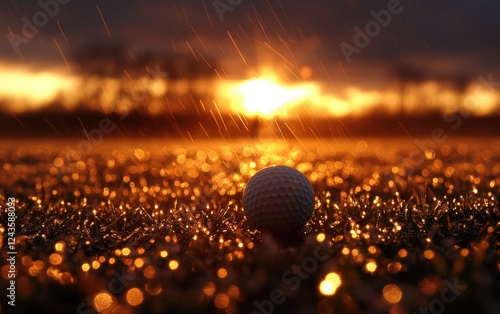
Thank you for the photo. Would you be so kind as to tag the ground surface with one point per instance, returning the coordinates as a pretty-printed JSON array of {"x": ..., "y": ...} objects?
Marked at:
[{"x": 158, "y": 227}]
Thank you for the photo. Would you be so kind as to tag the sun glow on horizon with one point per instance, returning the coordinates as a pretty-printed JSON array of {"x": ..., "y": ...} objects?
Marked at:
[
  {"x": 266, "y": 98},
  {"x": 24, "y": 89}
]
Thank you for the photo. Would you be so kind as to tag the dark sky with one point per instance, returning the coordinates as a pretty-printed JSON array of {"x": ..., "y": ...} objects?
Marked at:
[{"x": 447, "y": 38}]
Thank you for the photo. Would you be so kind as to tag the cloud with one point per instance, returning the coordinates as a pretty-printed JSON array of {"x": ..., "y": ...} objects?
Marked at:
[{"x": 285, "y": 34}]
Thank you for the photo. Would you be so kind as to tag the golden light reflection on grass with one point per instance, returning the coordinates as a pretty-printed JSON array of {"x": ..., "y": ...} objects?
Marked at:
[
  {"x": 222, "y": 273},
  {"x": 55, "y": 259},
  {"x": 392, "y": 293},
  {"x": 85, "y": 267},
  {"x": 134, "y": 296},
  {"x": 172, "y": 238},
  {"x": 371, "y": 266},
  {"x": 209, "y": 289},
  {"x": 330, "y": 284},
  {"x": 221, "y": 301},
  {"x": 102, "y": 301},
  {"x": 173, "y": 264}
]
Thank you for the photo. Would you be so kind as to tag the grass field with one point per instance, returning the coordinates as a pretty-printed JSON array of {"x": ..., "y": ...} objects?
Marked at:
[{"x": 158, "y": 227}]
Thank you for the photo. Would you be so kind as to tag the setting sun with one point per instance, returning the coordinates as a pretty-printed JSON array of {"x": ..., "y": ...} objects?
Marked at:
[{"x": 267, "y": 98}]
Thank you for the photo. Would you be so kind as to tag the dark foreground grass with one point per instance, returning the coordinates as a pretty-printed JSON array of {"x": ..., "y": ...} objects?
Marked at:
[{"x": 159, "y": 228}]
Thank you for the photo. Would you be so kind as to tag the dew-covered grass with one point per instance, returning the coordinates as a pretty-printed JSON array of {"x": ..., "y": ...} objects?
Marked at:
[{"x": 158, "y": 227}]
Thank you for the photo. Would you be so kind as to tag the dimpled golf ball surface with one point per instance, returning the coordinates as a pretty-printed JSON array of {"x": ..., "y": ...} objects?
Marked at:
[{"x": 278, "y": 199}]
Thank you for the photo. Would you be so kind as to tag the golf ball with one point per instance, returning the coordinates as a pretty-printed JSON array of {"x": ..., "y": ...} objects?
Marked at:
[{"x": 279, "y": 200}]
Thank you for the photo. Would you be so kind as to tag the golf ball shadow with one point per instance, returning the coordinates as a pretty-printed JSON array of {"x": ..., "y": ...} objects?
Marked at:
[{"x": 278, "y": 200}]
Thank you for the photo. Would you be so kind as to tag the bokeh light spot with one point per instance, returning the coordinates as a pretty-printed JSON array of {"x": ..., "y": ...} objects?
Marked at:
[
  {"x": 134, "y": 296},
  {"x": 221, "y": 301},
  {"x": 330, "y": 284},
  {"x": 222, "y": 273},
  {"x": 102, "y": 301},
  {"x": 392, "y": 293},
  {"x": 173, "y": 265}
]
